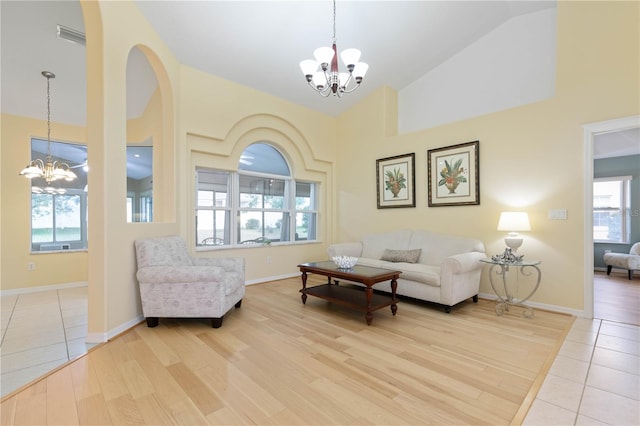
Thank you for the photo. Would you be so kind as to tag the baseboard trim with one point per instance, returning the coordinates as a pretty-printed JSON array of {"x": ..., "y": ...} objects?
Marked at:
[
  {"x": 27, "y": 290},
  {"x": 553, "y": 308},
  {"x": 105, "y": 337},
  {"x": 274, "y": 278}
]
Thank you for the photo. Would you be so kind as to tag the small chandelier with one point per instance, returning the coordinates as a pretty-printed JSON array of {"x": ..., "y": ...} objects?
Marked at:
[
  {"x": 329, "y": 80},
  {"x": 48, "y": 169}
]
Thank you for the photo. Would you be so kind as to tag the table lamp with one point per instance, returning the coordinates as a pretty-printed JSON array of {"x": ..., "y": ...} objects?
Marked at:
[{"x": 513, "y": 222}]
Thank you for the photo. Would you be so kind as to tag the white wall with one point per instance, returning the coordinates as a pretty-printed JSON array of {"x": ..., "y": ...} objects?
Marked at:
[{"x": 511, "y": 66}]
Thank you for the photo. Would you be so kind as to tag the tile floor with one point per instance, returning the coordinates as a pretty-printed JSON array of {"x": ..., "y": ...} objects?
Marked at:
[
  {"x": 594, "y": 380},
  {"x": 40, "y": 331}
]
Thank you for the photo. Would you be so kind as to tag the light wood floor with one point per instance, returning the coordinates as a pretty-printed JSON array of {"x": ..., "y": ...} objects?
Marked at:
[
  {"x": 616, "y": 298},
  {"x": 276, "y": 361}
]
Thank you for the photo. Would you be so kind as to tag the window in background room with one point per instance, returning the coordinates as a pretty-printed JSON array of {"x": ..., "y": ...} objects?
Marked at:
[
  {"x": 611, "y": 209},
  {"x": 267, "y": 206},
  {"x": 59, "y": 209},
  {"x": 140, "y": 183}
]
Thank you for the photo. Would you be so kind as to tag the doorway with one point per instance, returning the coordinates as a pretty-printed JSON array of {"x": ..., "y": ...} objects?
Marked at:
[{"x": 591, "y": 133}]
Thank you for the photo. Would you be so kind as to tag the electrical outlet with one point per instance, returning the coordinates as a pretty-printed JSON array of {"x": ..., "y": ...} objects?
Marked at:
[
  {"x": 31, "y": 266},
  {"x": 268, "y": 259}
]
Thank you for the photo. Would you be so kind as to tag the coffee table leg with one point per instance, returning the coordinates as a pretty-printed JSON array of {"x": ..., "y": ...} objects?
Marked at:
[
  {"x": 304, "y": 287},
  {"x": 369, "y": 316},
  {"x": 394, "y": 287}
]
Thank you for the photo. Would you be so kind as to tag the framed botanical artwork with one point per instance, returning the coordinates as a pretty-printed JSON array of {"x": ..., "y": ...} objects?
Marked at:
[
  {"x": 395, "y": 179},
  {"x": 454, "y": 175}
]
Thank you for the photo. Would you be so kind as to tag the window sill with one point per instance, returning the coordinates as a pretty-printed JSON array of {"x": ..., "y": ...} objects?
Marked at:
[
  {"x": 60, "y": 251},
  {"x": 253, "y": 246},
  {"x": 621, "y": 243}
]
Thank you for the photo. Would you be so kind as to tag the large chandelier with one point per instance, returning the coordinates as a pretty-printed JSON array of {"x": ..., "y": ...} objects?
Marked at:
[
  {"x": 327, "y": 80},
  {"x": 48, "y": 169}
]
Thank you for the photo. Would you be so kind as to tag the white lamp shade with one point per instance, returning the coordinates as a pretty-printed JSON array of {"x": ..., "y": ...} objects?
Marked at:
[
  {"x": 323, "y": 55},
  {"x": 69, "y": 175},
  {"x": 344, "y": 77},
  {"x": 514, "y": 221},
  {"x": 309, "y": 66},
  {"x": 350, "y": 56},
  {"x": 360, "y": 69},
  {"x": 319, "y": 80},
  {"x": 32, "y": 171}
]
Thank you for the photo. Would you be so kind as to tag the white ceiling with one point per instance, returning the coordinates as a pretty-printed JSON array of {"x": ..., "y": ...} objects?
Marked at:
[
  {"x": 260, "y": 43},
  {"x": 617, "y": 144},
  {"x": 255, "y": 43}
]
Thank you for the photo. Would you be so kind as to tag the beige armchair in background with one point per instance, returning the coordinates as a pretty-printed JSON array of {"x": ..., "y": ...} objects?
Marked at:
[
  {"x": 176, "y": 285},
  {"x": 629, "y": 261}
]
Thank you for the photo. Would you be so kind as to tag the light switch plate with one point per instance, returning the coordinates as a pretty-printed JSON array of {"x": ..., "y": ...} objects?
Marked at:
[{"x": 558, "y": 214}]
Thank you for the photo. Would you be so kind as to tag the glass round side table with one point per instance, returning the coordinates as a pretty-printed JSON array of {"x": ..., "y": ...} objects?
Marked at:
[{"x": 500, "y": 270}]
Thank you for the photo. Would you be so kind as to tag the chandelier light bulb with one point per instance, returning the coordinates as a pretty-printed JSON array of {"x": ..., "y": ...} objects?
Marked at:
[
  {"x": 350, "y": 58},
  {"x": 360, "y": 70},
  {"x": 324, "y": 56},
  {"x": 309, "y": 67},
  {"x": 319, "y": 80}
]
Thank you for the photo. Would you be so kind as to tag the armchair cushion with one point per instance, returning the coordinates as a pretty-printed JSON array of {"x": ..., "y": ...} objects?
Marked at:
[{"x": 164, "y": 251}]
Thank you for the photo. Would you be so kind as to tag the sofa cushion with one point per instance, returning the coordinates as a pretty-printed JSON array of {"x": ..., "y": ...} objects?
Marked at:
[
  {"x": 426, "y": 274},
  {"x": 374, "y": 245},
  {"x": 437, "y": 247},
  {"x": 408, "y": 256}
]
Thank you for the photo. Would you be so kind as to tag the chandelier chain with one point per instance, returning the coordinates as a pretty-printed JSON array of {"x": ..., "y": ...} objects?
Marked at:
[{"x": 334, "y": 21}]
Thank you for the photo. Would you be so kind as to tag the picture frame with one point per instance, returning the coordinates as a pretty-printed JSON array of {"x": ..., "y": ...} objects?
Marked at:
[
  {"x": 395, "y": 181},
  {"x": 454, "y": 175}
]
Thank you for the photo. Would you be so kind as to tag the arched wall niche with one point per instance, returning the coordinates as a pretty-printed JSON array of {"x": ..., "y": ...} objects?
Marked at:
[
  {"x": 281, "y": 134},
  {"x": 150, "y": 142}
]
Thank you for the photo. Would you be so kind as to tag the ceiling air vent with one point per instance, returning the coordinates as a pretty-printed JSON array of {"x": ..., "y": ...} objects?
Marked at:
[{"x": 71, "y": 35}]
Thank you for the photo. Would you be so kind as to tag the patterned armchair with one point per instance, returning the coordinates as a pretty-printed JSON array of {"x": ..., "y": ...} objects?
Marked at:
[{"x": 176, "y": 285}]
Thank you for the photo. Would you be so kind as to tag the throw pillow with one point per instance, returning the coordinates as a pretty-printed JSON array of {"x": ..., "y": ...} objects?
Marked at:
[{"x": 408, "y": 256}]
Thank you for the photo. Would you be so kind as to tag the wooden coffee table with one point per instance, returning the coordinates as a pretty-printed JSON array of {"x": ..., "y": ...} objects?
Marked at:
[{"x": 351, "y": 296}]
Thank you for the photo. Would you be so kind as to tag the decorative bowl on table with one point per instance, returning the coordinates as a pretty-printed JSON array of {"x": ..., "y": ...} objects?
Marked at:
[{"x": 345, "y": 262}]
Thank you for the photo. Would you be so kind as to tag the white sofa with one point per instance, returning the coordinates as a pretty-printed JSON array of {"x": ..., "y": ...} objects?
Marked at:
[{"x": 447, "y": 270}]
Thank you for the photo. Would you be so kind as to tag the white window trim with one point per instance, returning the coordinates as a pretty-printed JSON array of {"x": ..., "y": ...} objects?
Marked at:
[{"x": 626, "y": 189}]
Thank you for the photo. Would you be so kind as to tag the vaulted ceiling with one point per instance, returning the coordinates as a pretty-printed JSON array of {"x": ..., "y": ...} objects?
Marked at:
[{"x": 255, "y": 43}]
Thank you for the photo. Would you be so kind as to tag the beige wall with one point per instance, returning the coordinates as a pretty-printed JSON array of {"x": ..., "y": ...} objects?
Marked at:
[
  {"x": 531, "y": 157},
  {"x": 50, "y": 268}
]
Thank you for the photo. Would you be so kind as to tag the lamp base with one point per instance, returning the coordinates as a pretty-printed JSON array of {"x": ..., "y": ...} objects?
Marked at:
[{"x": 513, "y": 242}]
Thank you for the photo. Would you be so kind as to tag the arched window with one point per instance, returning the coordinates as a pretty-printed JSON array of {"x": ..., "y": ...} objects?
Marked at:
[{"x": 259, "y": 204}]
